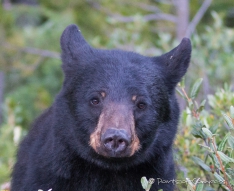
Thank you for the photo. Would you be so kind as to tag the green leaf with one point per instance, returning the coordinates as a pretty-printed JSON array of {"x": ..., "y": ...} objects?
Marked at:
[
  {"x": 196, "y": 104},
  {"x": 181, "y": 93},
  {"x": 206, "y": 147},
  {"x": 215, "y": 160},
  {"x": 189, "y": 120},
  {"x": 219, "y": 178},
  {"x": 201, "y": 163},
  {"x": 224, "y": 157},
  {"x": 182, "y": 82},
  {"x": 230, "y": 171},
  {"x": 190, "y": 104},
  {"x": 232, "y": 112},
  {"x": 207, "y": 132},
  {"x": 214, "y": 128},
  {"x": 195, "y": 88},
  {"x": 197, "y": 130},
  {"x": 231, "y": 141},
  {"x": 223, "y": 142},
  {"x": 231, "y": 181},
  {"x": 228, "y": 120},
  {"x": 197, "y": 134},
  {"x": 144, "y": 182},
  {"x": 202, "y": 105},
  {"x": 199, "y": 187}
]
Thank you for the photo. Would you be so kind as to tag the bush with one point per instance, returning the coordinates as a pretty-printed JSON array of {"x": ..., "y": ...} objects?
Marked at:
[{"x": 210, "y": 150}]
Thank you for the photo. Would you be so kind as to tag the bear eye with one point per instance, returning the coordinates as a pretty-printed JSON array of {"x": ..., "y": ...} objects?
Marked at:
[
  {"x": 95, "y": 101},
  {"x": 141, "y": 105}
]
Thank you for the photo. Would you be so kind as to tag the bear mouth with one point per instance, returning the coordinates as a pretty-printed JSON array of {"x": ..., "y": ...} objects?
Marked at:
[{"x": 115, "y": 163}]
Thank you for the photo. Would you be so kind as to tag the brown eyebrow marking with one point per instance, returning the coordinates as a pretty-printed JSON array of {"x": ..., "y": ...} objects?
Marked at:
[
  {"x": 103, "y": 94},
  {"x": 134, "y": 98}
]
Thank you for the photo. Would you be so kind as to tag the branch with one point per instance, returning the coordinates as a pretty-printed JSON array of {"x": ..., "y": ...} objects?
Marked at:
[
  {"x": 221, "y": 166},
  {"x": 144, "y": 6},
  {"x": 182, "y": 12},
  {"x": 36, "y": 51},
  {"x": 6, "y": 4},
  {"x": 2, "y": 81},
  {"x": 149, "y": 17},
  {"x": 192, "y": 25},
  {"x": 166, "y": 2},
  {"x": 160, "y": 16}
]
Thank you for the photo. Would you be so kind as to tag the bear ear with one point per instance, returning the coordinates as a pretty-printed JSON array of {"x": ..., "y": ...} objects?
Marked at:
[
  {"x": 176, "y": 62},
  {"x": 72, "y": 43}
]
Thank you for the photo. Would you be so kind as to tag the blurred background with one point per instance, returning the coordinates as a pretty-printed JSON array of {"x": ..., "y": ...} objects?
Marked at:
[{"x": 30, "y": 65}]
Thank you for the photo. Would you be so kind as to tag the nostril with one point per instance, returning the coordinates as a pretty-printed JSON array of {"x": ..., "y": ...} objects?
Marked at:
[
  {"x": 122, "y": 142},
  {"x": 115, "y": 140},
  {"x": 108, "y": 140},
  {"x": 109, "y": 143}
]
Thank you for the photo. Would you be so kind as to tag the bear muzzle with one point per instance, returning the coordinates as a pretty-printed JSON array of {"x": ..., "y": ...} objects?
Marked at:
[{"x": 115, "y": 135}]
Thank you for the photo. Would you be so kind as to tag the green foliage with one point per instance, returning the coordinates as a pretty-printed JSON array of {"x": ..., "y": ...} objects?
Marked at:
[
  {"x": 10, "y": 136},
  {"x": 222, "y": 95},
  {"x": 32, "y": 81},
  {"x": 213, "y": 149},
  {"x": 213, "y": 50}
]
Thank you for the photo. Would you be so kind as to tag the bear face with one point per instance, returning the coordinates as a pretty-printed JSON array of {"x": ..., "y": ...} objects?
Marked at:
[{"x": 120, "y": 99}]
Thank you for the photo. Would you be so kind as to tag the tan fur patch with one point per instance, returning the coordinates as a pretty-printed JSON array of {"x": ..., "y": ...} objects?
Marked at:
[
  {"x": 135, "y": 145},
  {"x": 96, "y": 135},
  {"x": 103, "y": 94},
  {"x": 134, "y": 98}
]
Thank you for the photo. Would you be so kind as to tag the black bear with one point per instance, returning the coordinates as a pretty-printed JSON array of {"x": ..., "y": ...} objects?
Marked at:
[{"x": 112, "y": 123}]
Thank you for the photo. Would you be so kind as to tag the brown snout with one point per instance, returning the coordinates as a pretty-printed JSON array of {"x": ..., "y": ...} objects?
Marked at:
[{"x": 115, "y": 134}]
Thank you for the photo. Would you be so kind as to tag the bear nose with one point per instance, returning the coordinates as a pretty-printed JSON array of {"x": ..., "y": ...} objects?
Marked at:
[{"x": 115, "y": 141}]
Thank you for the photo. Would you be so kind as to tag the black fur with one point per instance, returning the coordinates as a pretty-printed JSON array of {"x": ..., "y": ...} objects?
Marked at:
[{"x": 56, "y": 153}]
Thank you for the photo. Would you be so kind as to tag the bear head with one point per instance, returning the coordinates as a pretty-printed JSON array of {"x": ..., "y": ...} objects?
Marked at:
[{"x": 121, "y": 108}]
